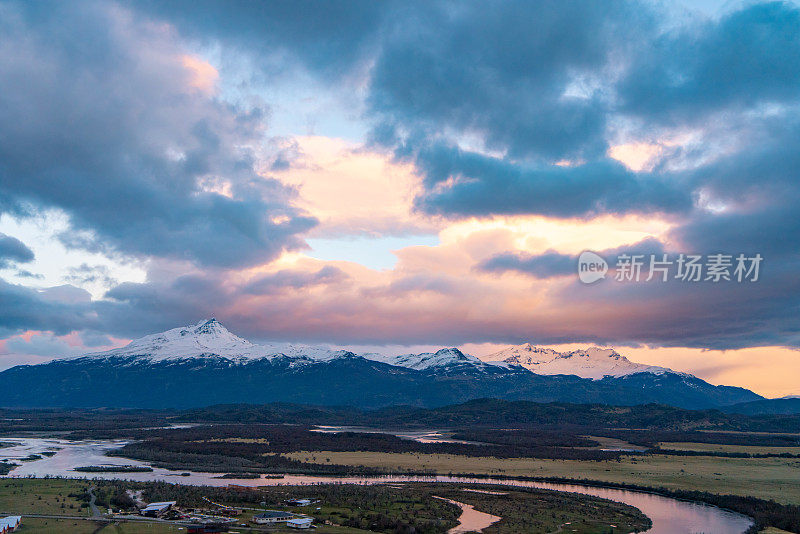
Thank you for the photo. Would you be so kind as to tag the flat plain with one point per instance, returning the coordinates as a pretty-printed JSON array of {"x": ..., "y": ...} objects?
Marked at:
[{"x": 767, "y": 478}]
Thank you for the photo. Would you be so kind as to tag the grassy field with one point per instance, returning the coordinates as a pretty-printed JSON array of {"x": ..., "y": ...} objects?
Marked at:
[
  {"x": 767, "y": 478},
  {"x": 41, "y": 496},
  {"x": 54, "y": 526},
  {"x": 713, "y": 447},
  {"x": 614, "y": 443}
]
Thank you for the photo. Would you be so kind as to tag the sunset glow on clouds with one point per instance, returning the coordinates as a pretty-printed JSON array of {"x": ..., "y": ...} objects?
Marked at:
[{"x": 178, "y": 170}]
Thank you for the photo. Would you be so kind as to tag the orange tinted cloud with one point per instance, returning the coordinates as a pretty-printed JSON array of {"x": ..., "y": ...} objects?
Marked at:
[
  {"x": 354, "y": 191},
  {"x": 202, "y": 75},
  {"x": 636, "y": 156}
]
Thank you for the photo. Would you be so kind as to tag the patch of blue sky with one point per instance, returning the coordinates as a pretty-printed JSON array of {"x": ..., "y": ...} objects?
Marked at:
[{"x": 298, "y": 103}]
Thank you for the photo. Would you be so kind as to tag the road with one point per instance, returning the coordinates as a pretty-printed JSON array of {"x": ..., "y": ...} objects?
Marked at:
[
  {"x": 92, "y": 506},
  {"x": 124, "y": 518}
]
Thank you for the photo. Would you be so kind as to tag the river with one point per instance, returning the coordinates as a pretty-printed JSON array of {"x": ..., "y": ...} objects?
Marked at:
[{"x": 669, "y": 516}]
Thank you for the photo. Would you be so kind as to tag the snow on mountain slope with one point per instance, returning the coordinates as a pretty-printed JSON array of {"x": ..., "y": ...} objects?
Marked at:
[
  {"x": 429, "y": 360},
  {"x": 594, "y": 362},
  {"x": 208, "y": 338}
]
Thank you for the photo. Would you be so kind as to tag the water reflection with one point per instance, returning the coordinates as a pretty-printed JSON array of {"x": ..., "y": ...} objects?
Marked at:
[
  {"x": 422, "y": 436},
  {"x": 471, "y": 520}
]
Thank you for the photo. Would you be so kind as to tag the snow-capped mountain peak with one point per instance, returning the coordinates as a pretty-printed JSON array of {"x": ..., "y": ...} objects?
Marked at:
[
  {"x": 525, "y": 355},
  {"x": 594, "y": 362},
  {"x": 428, "y": 360},
  {"x": 210, "y": 339},
  {"x": 207, "y": 338}
]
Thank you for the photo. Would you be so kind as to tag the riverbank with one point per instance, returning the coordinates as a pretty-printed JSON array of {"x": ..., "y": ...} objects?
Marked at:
[{"x": 775, "y": 479}]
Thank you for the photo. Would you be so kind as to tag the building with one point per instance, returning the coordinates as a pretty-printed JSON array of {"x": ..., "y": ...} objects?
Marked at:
[
  {"x": 298, "y": 502},
  {"x": 157, "y": 509},
  {"x": 10, "y": 523},
  {"x": 301, "y": 522},
  {"x": 271, "y": 516}
]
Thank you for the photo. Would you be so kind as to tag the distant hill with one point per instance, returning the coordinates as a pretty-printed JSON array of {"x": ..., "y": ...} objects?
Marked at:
[
  {"x": 766, "y": 406},
  {"x": 496, "y": 413},
  {"x": 205, "y": 364}
]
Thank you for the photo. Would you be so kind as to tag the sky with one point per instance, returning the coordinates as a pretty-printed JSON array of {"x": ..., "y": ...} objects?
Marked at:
[{"x": 402, "y": 175}]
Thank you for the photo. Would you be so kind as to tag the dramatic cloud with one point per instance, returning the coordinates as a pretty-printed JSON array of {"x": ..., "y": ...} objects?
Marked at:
[
  {"x": 518, "y": 133},
  {"x": 744, "y": 59},
  {"x": 463, "y": 184},
  {"x": 101, "y": 115},
  {"x": 521, "y": 76}
]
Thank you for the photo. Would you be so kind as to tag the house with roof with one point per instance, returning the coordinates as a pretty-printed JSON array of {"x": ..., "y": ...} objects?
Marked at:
[
  {"x": 300, "y": 522},
  {"x": 272, "y": 516}
]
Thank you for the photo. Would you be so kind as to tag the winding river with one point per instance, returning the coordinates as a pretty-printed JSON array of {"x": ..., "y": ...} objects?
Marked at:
[{"x": 669, "y": 516}]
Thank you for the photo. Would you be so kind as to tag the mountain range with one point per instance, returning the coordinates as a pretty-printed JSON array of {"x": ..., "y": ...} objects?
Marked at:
[{"x": 206, "y": 364}]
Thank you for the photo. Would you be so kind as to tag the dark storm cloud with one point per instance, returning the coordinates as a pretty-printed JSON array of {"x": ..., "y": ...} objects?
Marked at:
[
  {"x": 99, "y": 117},
  {"x": 550, "y": 264},
  {"x": 517, "y": 74},
  {"x": 328, "y": 37},
  {"x": 12, "y": 250},
  {"x": 59, "y": 310},
  {"x": 544, "y": 265},
  {"x": 461, "y": 183},
  {"x": 135, "y": 309},
  {"x": 746, "y": 58}
]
